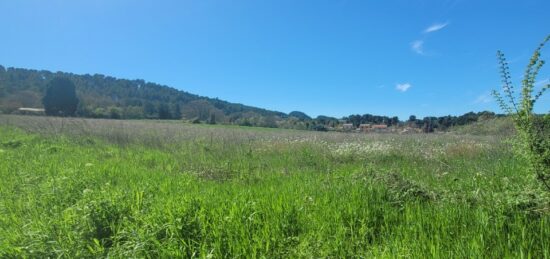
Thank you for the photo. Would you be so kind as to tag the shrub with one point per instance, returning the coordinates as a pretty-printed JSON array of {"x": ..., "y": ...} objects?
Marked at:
[{"x": 532, "y": 142}]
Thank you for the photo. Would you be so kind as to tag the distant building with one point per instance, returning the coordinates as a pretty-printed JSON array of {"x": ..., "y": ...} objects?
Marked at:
[
  {"x": 365, "y": 127},
  {"x": 380, "y": 126},
  {"x": 347, "y": 126},
  {"x": 31, "y": 111}
]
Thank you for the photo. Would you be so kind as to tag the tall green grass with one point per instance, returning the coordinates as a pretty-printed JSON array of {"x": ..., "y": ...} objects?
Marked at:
[{"x": 232, "y": 192}]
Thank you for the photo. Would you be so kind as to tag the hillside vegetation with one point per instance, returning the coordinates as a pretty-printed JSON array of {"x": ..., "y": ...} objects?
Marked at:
[
  {"x": 503, "y": 126},
  {"x": 105, "y": 188},
  {"x": 102, "y": 96},
  {"x": 108, "y": 97}
]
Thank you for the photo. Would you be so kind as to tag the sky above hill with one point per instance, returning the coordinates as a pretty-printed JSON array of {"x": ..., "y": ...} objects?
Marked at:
[{"x": 334, "y": 58}]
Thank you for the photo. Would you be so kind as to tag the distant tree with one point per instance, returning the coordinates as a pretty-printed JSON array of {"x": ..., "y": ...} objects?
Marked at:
[
  {"x": 412, "y": 122},
  {"x": 176, "y": 111},
  {"x": 200, "y": 109},
  {"x": 60, "y": 98},
  {"x": 467, "y": 118},
  {"x": 394, "y": 121},
  {"x": 326, "y": 121},
  {"x": 98, "y": 113},
  {"x": 115, "y": 112},
  {"x": 164, "y": 112},
  {"x": 428, "y": 125},
  {"x": 149, "y": 110},
  {"x": 212, "y": 119},
  {"x": 133, "y": 112},
  {"x": 245, "y": 122},
  {"x": 445, "y": 121},
  {"x": 354, "y": 119},
  {"x": 268, "y": 122},
  {"x": 485, "y": 115},
  {"x": 319, "y": 128}
]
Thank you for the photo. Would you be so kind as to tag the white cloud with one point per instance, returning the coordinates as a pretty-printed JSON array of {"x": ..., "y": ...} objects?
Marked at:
[
  {"x": 484, "y": 98},
  {"x": 436, "y": 27},
  {"x": 418, "y": 47},
  {"x": 403, "y": 87}
]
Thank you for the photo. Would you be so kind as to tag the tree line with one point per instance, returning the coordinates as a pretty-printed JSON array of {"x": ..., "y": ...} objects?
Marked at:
[
  {"x": 100, "y": 96},
  {"x": 103, "y": 96}
]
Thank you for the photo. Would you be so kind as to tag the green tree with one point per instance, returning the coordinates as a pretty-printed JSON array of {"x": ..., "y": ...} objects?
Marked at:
[
  {"x": 60, "y": 98},
  {"x": 149, "y": 110},
  {"x": 533, "y": 141},
  {"x": 212, "y": 119},
  {"x": 176, "y": 113},
  {"x": 115, "y": 112},
  {"x": 428, "y": 125},
  {"x": 164, "y": 112}
]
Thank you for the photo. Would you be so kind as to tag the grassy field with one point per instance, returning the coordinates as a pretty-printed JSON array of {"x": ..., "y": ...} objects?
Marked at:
[{"x": 104, "y": 188}]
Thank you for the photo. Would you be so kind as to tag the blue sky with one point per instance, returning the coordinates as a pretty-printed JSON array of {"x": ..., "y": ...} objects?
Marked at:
[{"x": 334, "y": 58}]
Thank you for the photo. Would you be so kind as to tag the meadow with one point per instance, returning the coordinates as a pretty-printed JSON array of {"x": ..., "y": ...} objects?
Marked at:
[{"x": 77, "y": 188}]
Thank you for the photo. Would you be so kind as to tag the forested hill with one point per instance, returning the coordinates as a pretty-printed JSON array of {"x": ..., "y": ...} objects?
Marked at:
[{"x": 108, "y": 97}]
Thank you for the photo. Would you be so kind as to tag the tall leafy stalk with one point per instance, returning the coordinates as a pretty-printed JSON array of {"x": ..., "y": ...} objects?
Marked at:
[{"x": 532, "y": 142}]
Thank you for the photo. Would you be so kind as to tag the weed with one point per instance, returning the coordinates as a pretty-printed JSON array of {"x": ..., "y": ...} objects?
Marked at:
[{"x": 533, "y": 142}]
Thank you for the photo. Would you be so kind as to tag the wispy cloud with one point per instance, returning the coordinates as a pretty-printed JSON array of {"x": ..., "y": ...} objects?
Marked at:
[
  {"x": 403, "y": 87},
  {"x": 484, "y": 98},
  {"x": 436, "y": 27},
  {"x": 418, "y": 46}
]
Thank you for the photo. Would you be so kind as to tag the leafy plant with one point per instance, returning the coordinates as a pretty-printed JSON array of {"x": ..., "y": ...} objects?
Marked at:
[{"x": 532, "y": 142}]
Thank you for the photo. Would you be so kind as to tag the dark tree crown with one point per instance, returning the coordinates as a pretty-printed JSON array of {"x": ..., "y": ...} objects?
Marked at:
[{"x": 60, "y": 98}]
